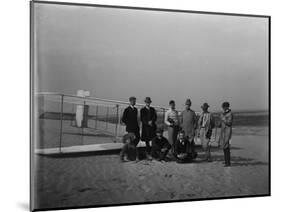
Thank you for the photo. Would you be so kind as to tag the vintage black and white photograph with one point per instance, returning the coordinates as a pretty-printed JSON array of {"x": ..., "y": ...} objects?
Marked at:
[{"x": 141, "y": 105}]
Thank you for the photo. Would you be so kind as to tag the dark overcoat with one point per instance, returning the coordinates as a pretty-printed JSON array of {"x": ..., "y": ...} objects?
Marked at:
[
  {"x": 130, "y": 119},
  {"x": 158, "y": 144},
  {"x": 226, "y": 129},
  {"x": 182, "y": 147},
  {"x": 148, "y": 131}
]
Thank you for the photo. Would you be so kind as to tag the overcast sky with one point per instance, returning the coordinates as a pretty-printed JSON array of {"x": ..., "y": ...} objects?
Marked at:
[{"x": 117, "y": 53}]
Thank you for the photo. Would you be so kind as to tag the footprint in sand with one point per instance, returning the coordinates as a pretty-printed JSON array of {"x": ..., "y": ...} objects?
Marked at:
[
  {"x": 146, "y": 163},
  {"x": 118, "y": 180},
  {"x": 84, "y": 189},
  {"x": 172, "y": 195},
  {"x": 141, "y": 176},
  {"x": 145, "y": 188},
  {"x": 168, "y": 175}
]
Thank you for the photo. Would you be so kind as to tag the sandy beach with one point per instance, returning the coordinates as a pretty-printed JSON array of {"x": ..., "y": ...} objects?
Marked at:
[{"x": 95, "y": 180}]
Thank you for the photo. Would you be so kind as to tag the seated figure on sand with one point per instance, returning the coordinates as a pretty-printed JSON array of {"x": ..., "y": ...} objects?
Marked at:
[
  {"x": 182, "y": 151},
  {"x": 160, "y": 146},
  {"x": 129, "y": 151}
]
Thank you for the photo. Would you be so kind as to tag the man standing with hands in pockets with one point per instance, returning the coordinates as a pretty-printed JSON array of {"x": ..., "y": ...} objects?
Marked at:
[
  {"x": 189, "y": 125},
  {"x": 130, "y": 119}
]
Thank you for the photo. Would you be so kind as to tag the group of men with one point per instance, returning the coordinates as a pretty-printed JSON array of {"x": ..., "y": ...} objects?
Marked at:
[{"x": 182, "y": 129}]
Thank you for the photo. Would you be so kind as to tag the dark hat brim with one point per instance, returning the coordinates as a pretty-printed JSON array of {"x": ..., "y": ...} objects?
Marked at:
[
  {"x": 205, "y": 106},
  {"x": 147, "y": 100}
]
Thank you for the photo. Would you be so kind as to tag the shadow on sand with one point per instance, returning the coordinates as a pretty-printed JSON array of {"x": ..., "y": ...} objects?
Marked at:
[{"x": 235, "y": 160}]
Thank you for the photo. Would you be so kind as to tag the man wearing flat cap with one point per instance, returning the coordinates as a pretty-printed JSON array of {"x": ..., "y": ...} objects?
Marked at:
[
  {"x": 205, "y": 125},
  {"x": 148, "y": 118},
  {"x": 188, "y": 124},
  {"x": 130, "y": 119}
]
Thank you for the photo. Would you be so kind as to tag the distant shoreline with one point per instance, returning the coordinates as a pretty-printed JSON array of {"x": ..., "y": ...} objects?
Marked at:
[{"x": 246, "y": 112}]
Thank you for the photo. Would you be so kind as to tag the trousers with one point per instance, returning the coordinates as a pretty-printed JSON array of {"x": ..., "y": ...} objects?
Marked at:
[
  {"x": 226, "y": 152},
  {"x": 172, "y": 135},
  {"x": 205, "y": 143}
]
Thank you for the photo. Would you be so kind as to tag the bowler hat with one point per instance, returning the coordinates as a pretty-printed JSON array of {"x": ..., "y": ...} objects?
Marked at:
[
  {"x": 147, "y": 100},
  {"x": 171, "y": 102},
  {"x": 225, "y": 104},
  {"x": 205, "y": 105}
]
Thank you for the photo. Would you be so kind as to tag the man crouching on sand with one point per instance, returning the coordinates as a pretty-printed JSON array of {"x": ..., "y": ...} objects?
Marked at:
[
  {"x": 129, "y": 151},
  {"x": 182, "y": 151},
  {"x": 160, "y": 146}
]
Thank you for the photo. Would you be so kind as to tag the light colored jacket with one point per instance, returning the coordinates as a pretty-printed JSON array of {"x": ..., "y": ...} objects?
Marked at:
[
  {"x": 226, "y": 128},
  {"x": 206, "y": 121},
  {"x": 171, "y": 118},
  {"x": 188, "y": 122}
]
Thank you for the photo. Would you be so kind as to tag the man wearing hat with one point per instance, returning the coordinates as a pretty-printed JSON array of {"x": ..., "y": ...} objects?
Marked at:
[
  {"x": 160, "y": 146},
  {"x": 205, "y": 125},
  {"x": 188, "y": 125},
  {"x": 148, "y": 118},
  {"x": 226, "y": 131},
  {"x": 130, "y": 119}
]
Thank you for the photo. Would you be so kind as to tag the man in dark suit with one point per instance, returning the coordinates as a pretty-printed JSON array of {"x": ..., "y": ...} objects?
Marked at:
[
  {"x": 182, "y": 149},
  {"x": 130, "y": 119},
  {"x": 148, "y": 118}
]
